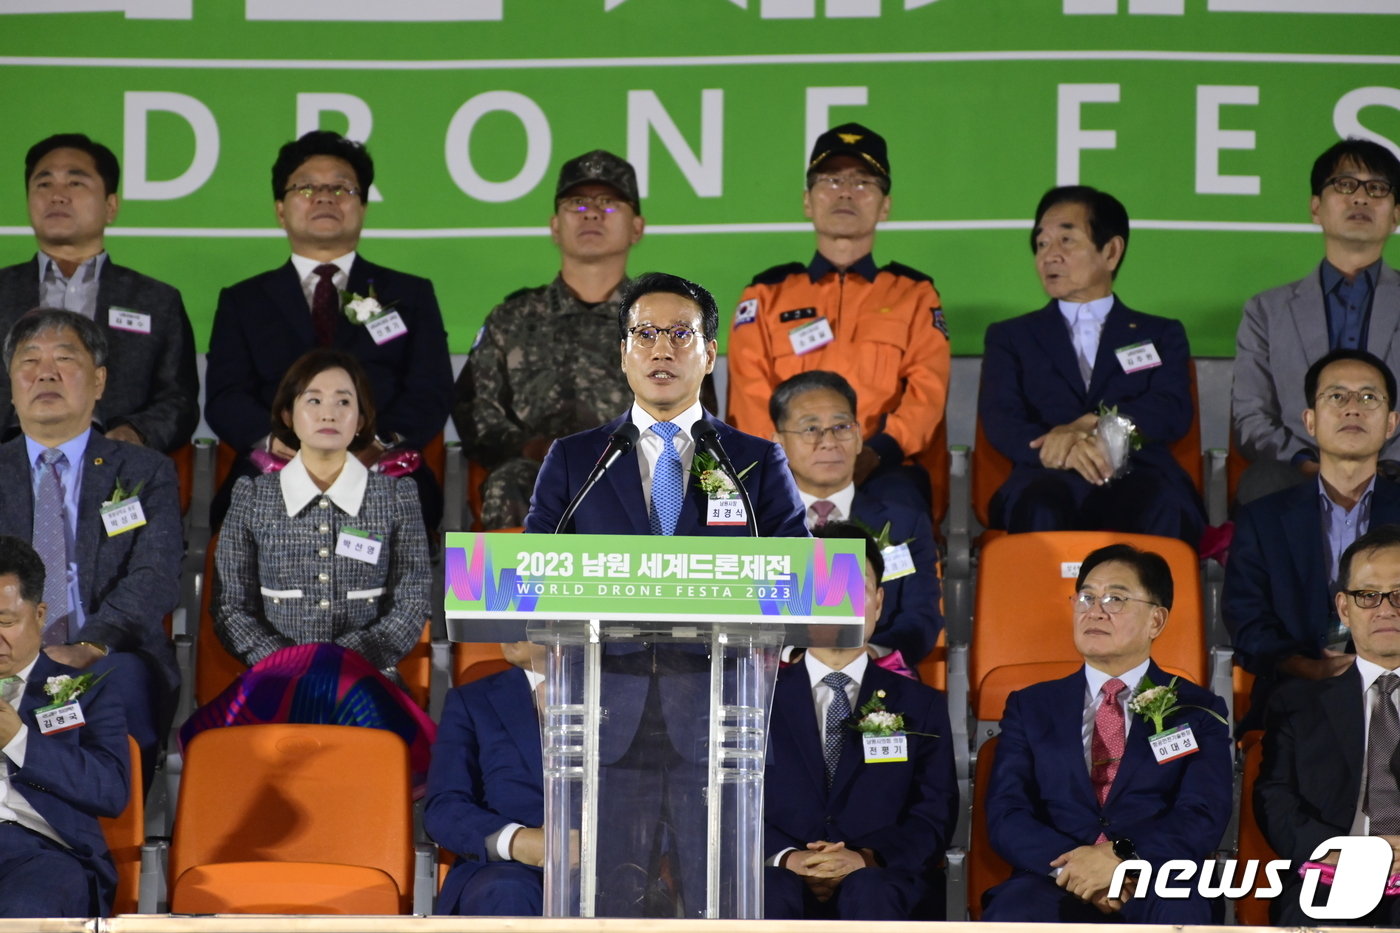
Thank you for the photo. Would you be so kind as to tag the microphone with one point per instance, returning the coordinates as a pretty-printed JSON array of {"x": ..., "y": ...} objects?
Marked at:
[
  {"x": 707, "y": 439},
  {"x": 620, "y": 443}
]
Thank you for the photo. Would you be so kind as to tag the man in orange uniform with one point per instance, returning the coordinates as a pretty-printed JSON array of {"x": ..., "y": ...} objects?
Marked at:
[{"x": 880, "y": 327}]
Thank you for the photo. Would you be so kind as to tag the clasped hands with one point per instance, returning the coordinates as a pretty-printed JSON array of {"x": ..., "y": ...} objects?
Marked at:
[
  {"x": 1087, "y": 872},
  {"x": 826, "y": 864},
  {"x": 1075, "y": 446}
]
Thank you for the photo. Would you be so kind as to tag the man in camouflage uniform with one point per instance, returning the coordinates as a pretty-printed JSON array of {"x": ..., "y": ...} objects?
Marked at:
[{"x": 545, "y": 363}]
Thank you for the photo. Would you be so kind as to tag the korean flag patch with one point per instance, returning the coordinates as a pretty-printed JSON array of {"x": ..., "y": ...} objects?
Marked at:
[{"x": 747, "y": 312}]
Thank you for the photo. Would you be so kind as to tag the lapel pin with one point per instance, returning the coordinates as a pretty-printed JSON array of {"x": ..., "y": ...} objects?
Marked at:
[{"x": 97, "y": 461}]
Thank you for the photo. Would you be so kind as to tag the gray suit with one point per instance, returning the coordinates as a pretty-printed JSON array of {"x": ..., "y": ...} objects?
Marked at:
[
  {"x": 152, "y": 383},
  {"x": 1283, "y": 332}
]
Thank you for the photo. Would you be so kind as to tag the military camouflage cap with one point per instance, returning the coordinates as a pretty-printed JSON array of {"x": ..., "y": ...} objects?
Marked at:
[
  {"x": 600, "y": 167},
  {"x": 854, "y": 140}
]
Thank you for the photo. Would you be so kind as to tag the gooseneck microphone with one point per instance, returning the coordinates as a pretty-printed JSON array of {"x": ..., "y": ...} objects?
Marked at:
[
  {"x": 707, "y": 439},
  {"x": 620, "y": 443}
]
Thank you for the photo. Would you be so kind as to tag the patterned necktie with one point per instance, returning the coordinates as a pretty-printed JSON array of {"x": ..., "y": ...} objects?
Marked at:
[
  {"x": 1382, "y": 794},
  {"x": 836, "y": 715},
  {"x": 325, "y": 305},
  {"x": 667, "y": 481},
  {"x": 1086, "y": 342},
  {"x": 1106, "y": 747},
  {"x": 823, "y": 510},
  {"x": 51, "y": 543}
]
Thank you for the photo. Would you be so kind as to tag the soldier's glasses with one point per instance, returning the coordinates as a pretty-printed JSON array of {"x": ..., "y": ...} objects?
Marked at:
[{"x": 582, "y": 205}]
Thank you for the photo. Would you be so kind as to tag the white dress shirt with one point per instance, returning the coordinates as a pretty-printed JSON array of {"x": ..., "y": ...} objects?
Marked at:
[
  {"x": 842, "y": 499},
  {"x": 1086, "y": 341},
  {"x": 306, "y": 274},
  {"x": 1094, "y": 681}
]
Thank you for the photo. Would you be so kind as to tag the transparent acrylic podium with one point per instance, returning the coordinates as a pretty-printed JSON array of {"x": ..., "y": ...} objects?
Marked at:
[{"x": 653, "y": 728}]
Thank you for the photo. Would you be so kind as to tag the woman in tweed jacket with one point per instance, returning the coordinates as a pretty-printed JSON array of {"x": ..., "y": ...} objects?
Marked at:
[{"x": 322, "y": 570}]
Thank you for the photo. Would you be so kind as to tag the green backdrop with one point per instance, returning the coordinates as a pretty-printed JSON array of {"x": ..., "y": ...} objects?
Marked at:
[{"x": 1216, "y": 109}]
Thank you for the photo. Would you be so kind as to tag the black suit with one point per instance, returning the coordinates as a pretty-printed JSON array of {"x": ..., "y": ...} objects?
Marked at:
[{"x": 152, "y": 383}]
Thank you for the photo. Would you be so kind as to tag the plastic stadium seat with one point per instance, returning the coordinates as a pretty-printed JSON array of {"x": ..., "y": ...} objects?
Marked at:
[
  {"x": 1250, "y": 910},
  {"x": 985, "y": 869},
  {"x": 125, "y": 835}
]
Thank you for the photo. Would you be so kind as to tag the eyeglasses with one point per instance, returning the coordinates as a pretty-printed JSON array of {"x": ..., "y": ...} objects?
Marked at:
[
  {"x": 1339, "y": 398},
  {"x": 812, "y": 434},
  {"x": 1112, "y": 603},
  {"x": 1371, "y": 599},
  {"x": 857, "y": 183},
  {"x": 680, "y": 336},
  {"x": 1345, "y": 184},
  {"x": 582, "y": 205},
  {"x": 334, "y": 190}
]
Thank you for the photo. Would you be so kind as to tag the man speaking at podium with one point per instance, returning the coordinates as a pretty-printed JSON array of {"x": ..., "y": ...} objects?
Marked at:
[{"x": 651, "y": 847}]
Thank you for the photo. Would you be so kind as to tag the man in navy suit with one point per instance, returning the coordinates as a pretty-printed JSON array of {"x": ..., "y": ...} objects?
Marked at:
[
  {"x": 817, "y": 428},
  {"x": 1281, "y": 579},
  {"x": 1046, "y": 374},
  {"x": 321, "y": 184},
  {"x": 485, "y": 799},
  {"x": 113, "y": 578},
  {"x": 1076, "y": 788},
  {"x": 54, "y": 782},
  {"x": 848, "y": 837}
]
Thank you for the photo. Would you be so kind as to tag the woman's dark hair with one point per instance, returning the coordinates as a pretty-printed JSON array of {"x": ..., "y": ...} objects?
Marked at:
[{"x": 299, "y": 376}]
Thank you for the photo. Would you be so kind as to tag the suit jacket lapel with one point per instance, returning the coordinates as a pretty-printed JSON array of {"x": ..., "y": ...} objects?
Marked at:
[
  {"x": 792, "y": 701},
  {"x": 290, "y": 301},
  {"x": 1137, "y": 750},
  {"x": 100, "y": 475},
  {"x": 514, "y": 703},
  {"x": 625, "y": 480},
  {"x": 1342, "y": 704},
  {"x": 1067, "y": 732},
  {"x": 1303, "y": 525},
  {"x": 26, "y": 287},
  {"x": 1118, "y": 331},
  {"x": 1307, "y": 310},
  {"x": 852, "y": 744},
  {"x": 18, "y": 507},
  {"x": 1052, "y": 335},
  {"x": 1385, "y": 312}
]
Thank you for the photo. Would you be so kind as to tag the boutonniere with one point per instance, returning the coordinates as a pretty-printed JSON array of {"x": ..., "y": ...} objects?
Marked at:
[
  {"x": 121, "y": 494},
  {"x": 1154, "y": 704},
  {"x": 874, "y": 719},
  {"x": 65, "y": 688},
  {"x": 361, "y": 309},
  {"x": 713, "y": 480},
  {"x": 882, "y": 537}
]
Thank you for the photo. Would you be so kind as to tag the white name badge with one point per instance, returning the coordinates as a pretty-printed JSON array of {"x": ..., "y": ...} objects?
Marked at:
[
  {"x": 358, "y": 545},
  {"x": 811, "y": 336},
  {"x": 1138, "y": 356},
  {"x": 898, "y": 562},
  {"x": 127, "y": 319},
  {"x": 60, "y": 718},
  {"x": 879, "y": 748},
  {"x": 386, "y": 327},
  {"x": 727, "y": 512},
  {"x": 122, "y": 516},
  {"x": 1173, "y": 744}
]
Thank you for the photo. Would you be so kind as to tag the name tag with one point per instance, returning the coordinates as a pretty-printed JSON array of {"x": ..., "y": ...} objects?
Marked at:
[
  {"x": 129, "y": 320},
  {"x": 358, "y": 545},
  {"x": 811, "y": 336},
  {"x": 60, "y": 718},
  {"x": 881, "y": 748},
  {"x": 1138, "y": 356},
  {"x": 386, "y": 327},
  {"x": 898, "y": 562},
  {"x": 726, "y": 512},
  {"x": 1173, "y": 744},
  {"x": 122, "y": 516}
]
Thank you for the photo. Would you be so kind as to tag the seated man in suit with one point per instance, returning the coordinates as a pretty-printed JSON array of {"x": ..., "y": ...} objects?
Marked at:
[
  {"x": 321, "y": 184},
  {"x": 1350, "y": 301},
  {"x": 485, "y": 799},
  {"x": 55, "y": 781},
  {"x": 1329, "y": 765},
  {"x": 1076, "y": 788},
  {"x": 1281, "y": 579},
  {"x": 816, "y": 425},
  {"x": 846, "y": 836},
  {"x": 152, "y": 396},
  {"x": 1046, "y": 375},
  {"x": 103, "y": 515}
]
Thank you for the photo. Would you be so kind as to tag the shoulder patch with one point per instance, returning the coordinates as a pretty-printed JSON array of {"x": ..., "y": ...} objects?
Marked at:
[
  {"x": 776, "y": 274},
  {"x": 747, "y": 312},
  {"x": 940, "y": 321},
  {"x": 898, "y": 268}
]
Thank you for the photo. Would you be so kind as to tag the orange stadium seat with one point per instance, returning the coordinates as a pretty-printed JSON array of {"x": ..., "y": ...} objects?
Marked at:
[
  {"x": 985, "y": 869},
  {"x": 1250, "y": 910},
  {"x": 125, "y": 834}
]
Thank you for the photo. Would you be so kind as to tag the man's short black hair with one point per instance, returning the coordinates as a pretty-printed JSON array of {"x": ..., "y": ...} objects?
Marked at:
[
  {"x": 107, "y": 166},
  {"x": 17, "y": 556},
  {"x": 1378, "y": 538},
  {"x": 45, "y": 320},
  {"x": 1314, "y": 375},
  {"x": 652, "y": 282},
  {"x": 322, "y": 143},
  {"x": 1364, "y": 154},
  {"x": 1152, "y": 569},
  {"x": 851, "y": 530},
  {"x": 1108, "y": 217},
  {"x": 809, "y": 381}
]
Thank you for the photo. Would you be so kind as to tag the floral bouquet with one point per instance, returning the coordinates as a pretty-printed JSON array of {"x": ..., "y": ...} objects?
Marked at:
[{"x": 1118, "y": 438}]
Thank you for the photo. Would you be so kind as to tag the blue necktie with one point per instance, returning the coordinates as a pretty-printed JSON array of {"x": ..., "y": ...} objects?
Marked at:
[
  {"x": 667, "y": 482},
  {"x": 836, "y": 715},
  {"x": 51, "y": 543}
]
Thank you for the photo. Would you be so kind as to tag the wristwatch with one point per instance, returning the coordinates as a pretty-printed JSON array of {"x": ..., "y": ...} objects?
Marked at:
[{"x": 1124, "y": 849}]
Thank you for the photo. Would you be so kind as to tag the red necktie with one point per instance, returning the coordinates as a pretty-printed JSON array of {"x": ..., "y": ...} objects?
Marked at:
[
  {"x": 1106, "y": 747},
  {"x": 325, "y": 305},
  {"x": 823, "y": 510}
]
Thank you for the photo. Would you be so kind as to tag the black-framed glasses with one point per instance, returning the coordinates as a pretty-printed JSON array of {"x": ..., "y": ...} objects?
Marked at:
[
  {"x": 645, "y": 335},
  {"x": 1341, "y": 398},
  {"x": 1112, "y": 603},
  {"x": 580, "y": 204},
  {"x": 1371, "y": 599},
  {"x": 813, "y": 434},
  {"x": 1345, "y": 184},
  {"x": 334, "y": 190}
]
